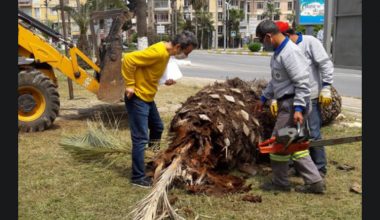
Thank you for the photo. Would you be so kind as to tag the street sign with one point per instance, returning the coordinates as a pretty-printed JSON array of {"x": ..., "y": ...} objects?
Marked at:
[
  {"x": 160, "y": 29},
  {"x": 233, "y": 33},
  {"x": 311, "y": 12}
]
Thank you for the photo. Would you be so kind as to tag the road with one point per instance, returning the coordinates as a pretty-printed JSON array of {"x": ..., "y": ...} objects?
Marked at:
[{"x": 220, "y": 66}]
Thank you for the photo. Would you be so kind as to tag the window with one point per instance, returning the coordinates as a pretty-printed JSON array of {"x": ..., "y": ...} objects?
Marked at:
[
  {"x": 276, "y": 4},
  {"x": 260, "y": 5},
  {"x": 276, "y": 17},
  {"x": 37, "y": 13},
  {"x": 290, "y": 6},
  {"x": 52, "y": 12},
  {"x": 220, "y": 3},
  {"x": 161, "y": 17},
  {"x": 27, "y": 11},
  {"x": 248, "y": 7},
  {"x": 260, "y": 17},
  {"x": 220, "y": 29},
  {"x": 161, "y": 4},
  {"x": 220, "y": 16}
]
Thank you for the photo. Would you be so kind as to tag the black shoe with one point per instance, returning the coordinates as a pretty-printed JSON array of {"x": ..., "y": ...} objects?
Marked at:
[
  {"x": 316, "y": 188},
  {"x": 145, "y": 182},
  {"x": 270, "y": 186}
]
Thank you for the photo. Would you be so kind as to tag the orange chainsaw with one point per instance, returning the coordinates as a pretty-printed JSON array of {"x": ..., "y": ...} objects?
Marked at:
[{"x": 290, "y": 139}]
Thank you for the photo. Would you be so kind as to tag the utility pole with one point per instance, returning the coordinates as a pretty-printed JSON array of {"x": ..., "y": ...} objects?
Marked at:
[
  {"x": 216, "y": 32},
  {"x": 327, "y": 27},
  {"x": 246, "y": 16},
  {"x": 69, "y": 82},
  {"x": 46, "y": 2},
  {"x": 227, "y": 22},
  {"x": 224, "y": 24}
]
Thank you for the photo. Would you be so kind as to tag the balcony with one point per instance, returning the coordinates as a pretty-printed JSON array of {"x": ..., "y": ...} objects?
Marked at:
[
  {"x": 161, "y": 18},
  {"x": 25, "y": 3},
  {"x": 161, "y": 5}
]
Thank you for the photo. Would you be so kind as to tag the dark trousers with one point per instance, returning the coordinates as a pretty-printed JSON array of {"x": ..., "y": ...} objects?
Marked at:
[
  {"x": 141, "y": 117},
  {"x": 317, "y": 154}
]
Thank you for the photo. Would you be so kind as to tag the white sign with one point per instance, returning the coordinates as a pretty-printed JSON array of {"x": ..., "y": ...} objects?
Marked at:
[
  {"x": 160, "y": 29},
  {"x": 233, "y": 33}
]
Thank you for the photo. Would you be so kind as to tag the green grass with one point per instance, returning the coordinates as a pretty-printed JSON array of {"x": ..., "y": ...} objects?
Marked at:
[{"x": 54, "y": 185}]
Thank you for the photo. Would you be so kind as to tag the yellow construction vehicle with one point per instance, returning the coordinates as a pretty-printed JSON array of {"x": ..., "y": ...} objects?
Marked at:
[{"x": 38, "y": 97}]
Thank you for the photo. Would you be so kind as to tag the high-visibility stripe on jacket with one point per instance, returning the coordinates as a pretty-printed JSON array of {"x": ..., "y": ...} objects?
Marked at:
[
  {"x": 284, "y": 158},
  {"x": 279, "y": 158},
  {"x": 300, "y": 154}
]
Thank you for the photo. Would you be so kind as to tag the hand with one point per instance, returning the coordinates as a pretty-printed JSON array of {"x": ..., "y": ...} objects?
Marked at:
[
  {"x": 298, "y": 117},
  {"x": 325, "y": 96},
  {"x": 258, "y": 107},
  {"x": 274, "y": 107},
  {"x": 129, "y": 92},
  {"x": 170, "y": 82}
]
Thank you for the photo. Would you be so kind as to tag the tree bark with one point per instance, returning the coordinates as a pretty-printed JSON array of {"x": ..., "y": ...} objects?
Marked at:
[
  {"x": 141, "y": 24},
  {"x": 150, "y": 25}
]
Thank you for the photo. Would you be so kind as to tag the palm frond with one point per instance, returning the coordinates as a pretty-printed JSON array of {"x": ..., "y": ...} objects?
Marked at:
[
  {"x": 156, "y": 204},
  {"x": 95, "y": 143}
]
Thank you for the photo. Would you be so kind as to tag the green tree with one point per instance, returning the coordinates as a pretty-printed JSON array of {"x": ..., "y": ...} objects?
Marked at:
[
  {"x": 81, "y": 16},
  {"x": 270, "y": 11},
  {"x": 233, "y": 22},
  {"x": 206, "y": 26}
]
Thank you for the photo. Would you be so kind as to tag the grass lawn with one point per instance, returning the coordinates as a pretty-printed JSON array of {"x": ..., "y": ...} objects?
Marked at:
[{"x": 54, "y": 185}]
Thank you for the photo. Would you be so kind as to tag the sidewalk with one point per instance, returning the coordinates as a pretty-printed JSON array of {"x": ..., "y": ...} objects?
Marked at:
[
  {"x": 240, "y": 51},
  {"x": 352, "y": 104}
]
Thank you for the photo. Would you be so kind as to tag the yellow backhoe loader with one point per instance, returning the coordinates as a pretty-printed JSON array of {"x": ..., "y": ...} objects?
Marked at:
[{"x": 38, "y": 97}]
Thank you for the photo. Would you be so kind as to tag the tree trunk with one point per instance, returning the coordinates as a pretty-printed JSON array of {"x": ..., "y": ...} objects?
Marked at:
[
  {"x": 150, "y": 25},
  {"x": 142, "y": 40},
  {"x": 78, "y": 5},
  {"x": 202, "y": 26}
]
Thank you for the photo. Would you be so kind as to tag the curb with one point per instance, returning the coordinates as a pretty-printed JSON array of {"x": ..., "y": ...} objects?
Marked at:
[{"x": 242, "y": 53}]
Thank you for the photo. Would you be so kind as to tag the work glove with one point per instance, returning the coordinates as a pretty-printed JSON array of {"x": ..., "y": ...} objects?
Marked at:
[
  {"x": 274, "y": 107},
  {"x": 325, "y": 96}
]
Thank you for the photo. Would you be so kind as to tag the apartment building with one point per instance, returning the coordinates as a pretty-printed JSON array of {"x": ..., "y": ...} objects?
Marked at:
[
  {"x": 254, "y": 9},
  {"x": 42, "y": 10}
]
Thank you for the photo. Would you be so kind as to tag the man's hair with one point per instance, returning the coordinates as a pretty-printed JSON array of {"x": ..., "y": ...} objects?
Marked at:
[
  {"x": 266, "y": 27},
  {"x": 185, "y": 39},
  {"x": 290, "y": 31}
]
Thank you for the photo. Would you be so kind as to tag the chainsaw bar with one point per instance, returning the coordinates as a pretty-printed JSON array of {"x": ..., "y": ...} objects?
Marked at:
[
  {"x": 335, "y": 141},
  {"x": 271, "y": 146}
]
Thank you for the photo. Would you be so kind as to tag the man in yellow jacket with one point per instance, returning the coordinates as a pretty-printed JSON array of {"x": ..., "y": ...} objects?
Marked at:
[{"x": 142, "y": 71}]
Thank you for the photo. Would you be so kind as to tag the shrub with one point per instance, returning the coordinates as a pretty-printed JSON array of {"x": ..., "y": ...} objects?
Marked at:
[{"x": 254, "y": 47}]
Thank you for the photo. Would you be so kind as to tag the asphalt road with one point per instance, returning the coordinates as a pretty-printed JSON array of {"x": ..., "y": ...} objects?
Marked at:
[{"x": 348, "y": 82}]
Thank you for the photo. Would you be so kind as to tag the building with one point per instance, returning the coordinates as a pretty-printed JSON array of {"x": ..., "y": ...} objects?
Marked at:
[
  {"x": 42, "y": 10},
  {"x": 254, "y": 9}
]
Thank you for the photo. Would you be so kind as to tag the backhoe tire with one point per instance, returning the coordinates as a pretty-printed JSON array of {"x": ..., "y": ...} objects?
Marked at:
[{"x": 38, "y": 101}]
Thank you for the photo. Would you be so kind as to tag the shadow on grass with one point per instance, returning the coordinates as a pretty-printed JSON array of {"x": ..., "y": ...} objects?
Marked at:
[{"x": 109, "y": 114}]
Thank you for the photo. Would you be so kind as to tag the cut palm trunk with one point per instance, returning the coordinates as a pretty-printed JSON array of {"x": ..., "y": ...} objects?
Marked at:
[{"x": 213, "y": 132}]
